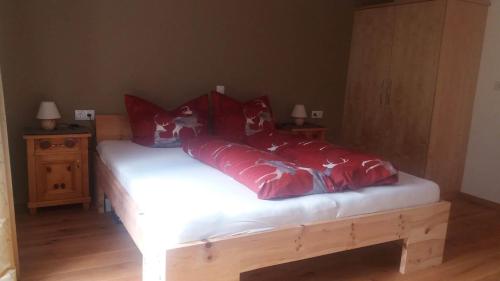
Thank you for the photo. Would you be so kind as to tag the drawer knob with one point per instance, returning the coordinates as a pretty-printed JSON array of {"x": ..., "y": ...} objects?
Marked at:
[
  {"x": 45, "y": 144},
  {"x": 70, "y": 143},
  {"x": 49, "y": 169},
  {"x": 56, "y": 186},
  {"x": 68, "y": 168},
  {"x": 63, "y": 186}
]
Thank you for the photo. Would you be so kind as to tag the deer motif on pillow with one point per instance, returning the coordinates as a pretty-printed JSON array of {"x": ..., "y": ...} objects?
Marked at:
[{"x": 155, "y": 127}]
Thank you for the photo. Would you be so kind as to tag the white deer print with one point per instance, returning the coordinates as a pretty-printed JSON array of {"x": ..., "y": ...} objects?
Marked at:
[
  {"x": 330, "y": 166},
  {"x": 190, "y": 152},
  {"x": 181, "y": 122},
  {"x": 377, "y": 163},
  {"x": 261, "y": 103},
  {"x": 324, "y": 147},
  {"x": 186, "y": 110},
  {"x": 263, "y": 115},
  {"x": 158, "y": 139},
  {"x": 220, "y": 149},
  {"x": 282, "y": 168},
  {"x": 250, "y": 120},
  {"x": 226, "y": 165},
  {"x": 274, "y": 147},
  {"x": 305, "y": 143}
]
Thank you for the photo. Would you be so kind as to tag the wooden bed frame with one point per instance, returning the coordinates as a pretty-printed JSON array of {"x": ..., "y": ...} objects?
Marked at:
[{"x": 422, "y": 230}]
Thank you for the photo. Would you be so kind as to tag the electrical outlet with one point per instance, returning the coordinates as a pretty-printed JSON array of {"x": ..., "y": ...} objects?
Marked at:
[
  {"x": 220, "y": 89},
  {"x": 86, "y": 114},
  {"x": 317, "y": 114}
]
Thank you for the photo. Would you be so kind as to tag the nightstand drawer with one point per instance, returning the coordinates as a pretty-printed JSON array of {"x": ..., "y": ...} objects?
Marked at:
[
  {"x": 50, "y": 145},
  {"x": 58, "y": 176},
  {"x": 307, "y": 130}
]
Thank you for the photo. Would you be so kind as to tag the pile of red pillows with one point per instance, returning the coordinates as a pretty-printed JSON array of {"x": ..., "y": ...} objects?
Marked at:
[
  {"x": 233, "y": 120},
  {"x": 248, "y": 148}
]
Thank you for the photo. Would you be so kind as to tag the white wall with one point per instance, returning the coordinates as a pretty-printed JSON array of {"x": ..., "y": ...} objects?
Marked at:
[{"x": 482, "y": 169}]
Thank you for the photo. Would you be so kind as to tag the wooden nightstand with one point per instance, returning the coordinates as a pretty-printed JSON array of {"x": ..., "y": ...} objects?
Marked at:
[
  {"x": 308, "y": 130},
  {"x": 57, "y": 167}
]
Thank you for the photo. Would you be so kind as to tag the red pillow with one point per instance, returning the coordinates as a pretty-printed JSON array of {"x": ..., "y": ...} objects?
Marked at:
[
  {"x": 346, "y": 169},
  {"x": 155, "y": 127},
  {"x": 233, "y": 120},
  {"x": 267, "y": 174}
]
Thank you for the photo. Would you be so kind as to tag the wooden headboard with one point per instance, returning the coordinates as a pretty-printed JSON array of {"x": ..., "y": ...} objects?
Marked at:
[{"x": 112, "y": 127}]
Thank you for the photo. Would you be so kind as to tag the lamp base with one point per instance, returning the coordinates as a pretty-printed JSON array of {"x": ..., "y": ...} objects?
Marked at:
[
  {"x": 48, "y": 124},
  {"x": 299, "y": 121}
]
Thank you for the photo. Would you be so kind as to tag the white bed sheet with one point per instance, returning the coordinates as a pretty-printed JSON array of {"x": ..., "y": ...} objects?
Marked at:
[{"x": 184, "y": 200}]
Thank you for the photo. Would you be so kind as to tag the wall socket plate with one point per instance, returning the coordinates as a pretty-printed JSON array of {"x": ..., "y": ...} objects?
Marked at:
[
  {"x": 220, "y": 89},
  {"x": 317, "y": 114},
  {"x": 84, "y": 114}
]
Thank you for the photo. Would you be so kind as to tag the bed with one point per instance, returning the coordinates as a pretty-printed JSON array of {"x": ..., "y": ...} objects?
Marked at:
[{"x": 211, "y": 227}]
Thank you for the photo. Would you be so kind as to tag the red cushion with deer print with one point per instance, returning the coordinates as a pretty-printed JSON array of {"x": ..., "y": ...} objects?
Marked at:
[
  {"x": 267, "y": 174},
  {"x": 346, "y": 169},
  {"x": 155, "y": 127},
  {"x": 233, "y": 120}
]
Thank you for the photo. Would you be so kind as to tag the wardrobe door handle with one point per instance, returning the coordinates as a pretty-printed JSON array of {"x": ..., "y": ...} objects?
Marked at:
[
  {"x": 382, "y": 91},
  {"x": 388, "y": 93}
]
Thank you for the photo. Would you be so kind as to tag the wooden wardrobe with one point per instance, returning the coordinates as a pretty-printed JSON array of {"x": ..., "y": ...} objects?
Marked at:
[{"x": 411, "y": 84}]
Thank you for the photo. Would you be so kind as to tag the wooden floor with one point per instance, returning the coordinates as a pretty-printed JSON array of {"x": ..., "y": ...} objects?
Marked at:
[{"x": 66, "y": 244}]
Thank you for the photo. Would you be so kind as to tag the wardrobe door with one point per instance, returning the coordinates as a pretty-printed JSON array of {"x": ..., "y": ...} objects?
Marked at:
[
  {"x": 369, "y": 70},
  {"x": 409, "y": 101}
]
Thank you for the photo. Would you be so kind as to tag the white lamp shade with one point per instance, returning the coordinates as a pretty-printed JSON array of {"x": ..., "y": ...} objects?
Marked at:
[
  {"x": 299, "y": 111},
  {"x": 48, "y": 110}
]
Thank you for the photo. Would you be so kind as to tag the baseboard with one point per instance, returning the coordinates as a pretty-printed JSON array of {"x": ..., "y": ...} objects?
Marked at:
[{"x": 480, "y": 201}]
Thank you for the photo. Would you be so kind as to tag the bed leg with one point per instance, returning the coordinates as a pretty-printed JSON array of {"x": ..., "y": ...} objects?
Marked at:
[
  {"x": 424, "y": 247},
  {"x": 421, "y": 255},
  {"x": 100, "y": 197}
]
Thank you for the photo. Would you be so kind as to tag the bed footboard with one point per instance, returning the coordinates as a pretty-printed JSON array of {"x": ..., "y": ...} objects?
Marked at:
[{"x": 423, "y": 230}]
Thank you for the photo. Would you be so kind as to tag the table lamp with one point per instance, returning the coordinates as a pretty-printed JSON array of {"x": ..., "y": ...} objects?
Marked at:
[
  {"x": 48, "y": 113},
  {"x": 299, "y": 113}
]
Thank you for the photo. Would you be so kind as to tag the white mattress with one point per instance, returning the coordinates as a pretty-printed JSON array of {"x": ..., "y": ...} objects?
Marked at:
[{"x": 184, "y": 200}]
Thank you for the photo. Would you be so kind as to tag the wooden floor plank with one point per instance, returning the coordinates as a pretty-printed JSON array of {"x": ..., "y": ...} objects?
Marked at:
[{"x": 69, "y": 244}]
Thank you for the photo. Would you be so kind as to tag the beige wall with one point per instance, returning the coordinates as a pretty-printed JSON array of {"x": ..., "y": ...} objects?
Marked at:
[
  {"x": 87, "y": 53},
  {"x": 482, "y": 175}
]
